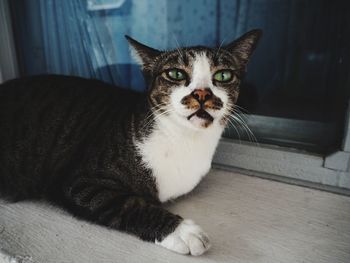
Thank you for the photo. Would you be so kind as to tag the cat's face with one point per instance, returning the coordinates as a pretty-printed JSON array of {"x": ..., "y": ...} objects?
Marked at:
[{"x": 196, "y": 86}]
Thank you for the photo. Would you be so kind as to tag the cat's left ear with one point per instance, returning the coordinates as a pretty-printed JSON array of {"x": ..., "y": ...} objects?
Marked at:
[
  {"x": 143, "y": 54},
  {"x": 243, "y": 47}
]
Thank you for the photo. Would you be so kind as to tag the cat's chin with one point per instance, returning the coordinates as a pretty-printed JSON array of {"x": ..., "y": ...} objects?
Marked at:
[
  {"x": 193, "y": 121},
  {"x": 202, "y": 114},
  {"x": 201, "y": 119},
  {"x": 199, "y": 122}
]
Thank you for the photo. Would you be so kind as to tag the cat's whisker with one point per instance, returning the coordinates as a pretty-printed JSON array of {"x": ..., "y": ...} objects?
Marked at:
[
  {"x": 217, "y": 52},
  {"x": 149, "y": 119},
  {"x": 171, "y": 135},
  {"x": 178, "y": 48},
  {"x": 240, "y": 115},
  {"x": 243, "y": 115},
  {"x": 234, "y": 115},
  {"x": 235, "y": 112},
  {"x": 241, "y": 109},
  {"x": 245, "y": 127},
  {"x": 229, "y": 122},
  {"x": 234, "y": 127},
  {"x": 157, "y": 115},
  {"x": 153, "y": 111},
  {"x": 234, "y": 120}
]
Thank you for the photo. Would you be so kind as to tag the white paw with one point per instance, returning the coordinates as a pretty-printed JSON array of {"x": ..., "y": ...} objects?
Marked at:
[{"x": 188, "y": 238}]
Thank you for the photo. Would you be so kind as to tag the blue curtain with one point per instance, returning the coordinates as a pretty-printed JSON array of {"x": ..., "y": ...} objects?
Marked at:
[
  {"x": 86, "y": 37},
  {"x": 64, "y": 38},
  {"x": 304, "y": 48}
]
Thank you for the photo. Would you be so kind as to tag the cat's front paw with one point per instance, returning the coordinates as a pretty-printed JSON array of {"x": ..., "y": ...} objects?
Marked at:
[{"x": 188, "y": 238}]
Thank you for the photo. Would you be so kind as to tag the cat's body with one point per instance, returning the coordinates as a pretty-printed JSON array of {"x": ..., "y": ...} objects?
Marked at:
[
  {"x": 52, "y": 126},
  {"x": 111, "y": 155}
]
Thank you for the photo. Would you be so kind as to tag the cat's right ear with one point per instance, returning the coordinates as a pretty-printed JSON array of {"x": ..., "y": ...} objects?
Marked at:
[
  {"x": 143, "y": 54},
  {"x": 243, "y": 47}
]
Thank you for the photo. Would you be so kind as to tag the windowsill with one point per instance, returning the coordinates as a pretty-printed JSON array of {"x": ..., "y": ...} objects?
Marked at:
[
  {"x": 248, "y": 220},
  {"x": 283, "y": 164}
]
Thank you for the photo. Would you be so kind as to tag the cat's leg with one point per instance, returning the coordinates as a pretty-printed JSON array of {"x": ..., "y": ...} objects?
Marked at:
[{"x": 110, "y": 204}]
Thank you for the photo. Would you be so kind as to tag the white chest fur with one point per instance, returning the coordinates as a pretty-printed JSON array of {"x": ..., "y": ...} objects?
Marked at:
[{"x": 178, "y": 157}]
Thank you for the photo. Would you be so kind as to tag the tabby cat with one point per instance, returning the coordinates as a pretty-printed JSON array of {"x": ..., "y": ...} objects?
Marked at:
[{"x": 113, "y": 156}]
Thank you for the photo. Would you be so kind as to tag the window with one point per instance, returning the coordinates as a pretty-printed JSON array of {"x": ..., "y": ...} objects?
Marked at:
[{"x": 296, "y": 89}]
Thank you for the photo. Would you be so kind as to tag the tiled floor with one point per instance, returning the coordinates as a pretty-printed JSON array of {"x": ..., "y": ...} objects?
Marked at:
[{"x": 248, "y": 219}]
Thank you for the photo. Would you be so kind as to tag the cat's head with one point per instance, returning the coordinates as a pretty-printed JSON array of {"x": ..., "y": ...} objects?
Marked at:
[{"x": 196, "y": 86}]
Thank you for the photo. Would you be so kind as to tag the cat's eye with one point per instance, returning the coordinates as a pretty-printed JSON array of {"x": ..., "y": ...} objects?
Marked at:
[
  {"x": 176, "y": 74},
  {"x": 223, "y": 75}
]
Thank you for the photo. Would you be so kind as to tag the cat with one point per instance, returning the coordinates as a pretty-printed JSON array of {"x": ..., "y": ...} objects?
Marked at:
[{"x": 112, "y": 156}]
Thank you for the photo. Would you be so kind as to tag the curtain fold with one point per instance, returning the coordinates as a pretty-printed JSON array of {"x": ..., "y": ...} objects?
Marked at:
[{"x": 72, "y": 41}]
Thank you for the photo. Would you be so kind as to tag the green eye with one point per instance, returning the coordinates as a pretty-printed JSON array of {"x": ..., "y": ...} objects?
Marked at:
[
  {"x": 176, "y": 74},
  {"x": 223, "y": 76}
]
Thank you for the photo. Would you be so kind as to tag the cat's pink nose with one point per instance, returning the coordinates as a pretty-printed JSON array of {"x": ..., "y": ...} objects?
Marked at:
[{"x": 202, "y": 95}]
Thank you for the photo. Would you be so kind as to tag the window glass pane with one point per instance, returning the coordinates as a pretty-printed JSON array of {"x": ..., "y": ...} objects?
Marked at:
[{"x": 298, "y": 82}]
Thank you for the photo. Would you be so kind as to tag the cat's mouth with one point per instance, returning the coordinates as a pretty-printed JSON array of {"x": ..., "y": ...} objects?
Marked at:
[{"x": 202, "y": 114}]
